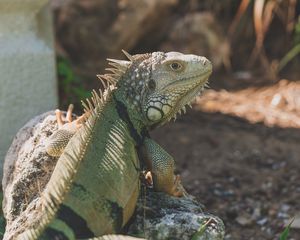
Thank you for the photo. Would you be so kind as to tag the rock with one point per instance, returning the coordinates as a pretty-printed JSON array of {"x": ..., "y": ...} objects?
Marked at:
[
  {"x": 160, "y": 216},
  {"x": 199, "y": 33},
  {"x": 244, "y": 219},
  {"x": 28, "y": 169},
  {"x": 91, "y": 30},
  {"x": 88, "y": 31}
]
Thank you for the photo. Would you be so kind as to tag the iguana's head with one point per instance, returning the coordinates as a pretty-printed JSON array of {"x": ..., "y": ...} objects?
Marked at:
[{"x": 159, "y": 85}]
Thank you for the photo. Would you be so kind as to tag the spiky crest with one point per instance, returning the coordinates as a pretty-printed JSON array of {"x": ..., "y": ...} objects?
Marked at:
[
  {"x": 122, "y": 65},
  {"x": 108, "y": 79},
  {"x": 118, "y": 68},
  {"x": 68, "y": 163},
  {"x": 130, "y": 57}
]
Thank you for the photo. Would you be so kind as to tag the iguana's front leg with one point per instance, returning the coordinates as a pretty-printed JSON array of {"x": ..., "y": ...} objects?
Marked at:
[
  {"x": 66, "y": 129},
  {"x": 161, "y": 165}
]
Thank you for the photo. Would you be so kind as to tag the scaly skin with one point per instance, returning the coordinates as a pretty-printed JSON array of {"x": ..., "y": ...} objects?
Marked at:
[{"x": 95, "y": 184}]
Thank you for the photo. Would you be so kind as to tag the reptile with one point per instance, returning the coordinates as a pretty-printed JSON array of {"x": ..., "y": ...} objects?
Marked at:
[{"x": 94, "y": 187}]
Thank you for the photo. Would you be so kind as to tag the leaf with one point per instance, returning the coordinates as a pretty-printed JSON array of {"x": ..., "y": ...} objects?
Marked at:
[
  {"x": 288, "y": 57},
  {"x": 201, "y": 230},
  {"x": 285, "y": 233}
]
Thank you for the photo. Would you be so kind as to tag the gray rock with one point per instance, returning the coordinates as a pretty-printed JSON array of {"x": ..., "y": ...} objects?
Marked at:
[
  {"x": 161, "y": 216},
  {"x": 28, "y": 169}
]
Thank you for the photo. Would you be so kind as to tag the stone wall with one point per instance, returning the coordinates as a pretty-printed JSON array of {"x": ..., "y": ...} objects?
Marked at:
[{"x": 27, "y": 66}]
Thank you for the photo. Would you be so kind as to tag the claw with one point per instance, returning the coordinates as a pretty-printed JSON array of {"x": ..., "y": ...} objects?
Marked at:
[
  {"x": 67, "y": 122},
  {"x": 149, "y": 179},
  {"x": 80, "y": 120},
  {"x": 69, "y": 113},
  {"x": 59, "y": 118},
  {"x": 177, "y": 190}
]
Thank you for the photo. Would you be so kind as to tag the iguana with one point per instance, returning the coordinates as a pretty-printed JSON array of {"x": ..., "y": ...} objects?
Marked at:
[{"x": 95, "y": 185}]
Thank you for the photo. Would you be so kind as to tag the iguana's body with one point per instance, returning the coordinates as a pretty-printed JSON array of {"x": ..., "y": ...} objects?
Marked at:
[{"x": 95, "y": 184}]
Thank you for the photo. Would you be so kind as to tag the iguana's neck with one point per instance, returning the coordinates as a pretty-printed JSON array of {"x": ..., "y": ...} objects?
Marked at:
[{"x": 135, "y": 122}]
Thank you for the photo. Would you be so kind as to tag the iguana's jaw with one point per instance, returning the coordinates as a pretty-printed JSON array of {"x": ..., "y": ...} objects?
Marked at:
[
  {"x": 174, "y": 93},
  {"x": 197, "y": 85}
]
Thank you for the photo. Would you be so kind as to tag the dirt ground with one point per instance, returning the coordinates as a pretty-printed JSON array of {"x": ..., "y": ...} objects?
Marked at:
[{"x": 244, "y": 172}]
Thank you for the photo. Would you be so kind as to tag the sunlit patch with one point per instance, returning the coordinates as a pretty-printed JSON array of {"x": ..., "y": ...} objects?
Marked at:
[{"x": 277, "y": 105}]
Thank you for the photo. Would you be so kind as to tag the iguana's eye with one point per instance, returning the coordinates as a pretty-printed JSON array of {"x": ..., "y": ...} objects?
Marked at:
[
  {"x": 176, "y": 66},
  {"x": 151, "y": 85}
]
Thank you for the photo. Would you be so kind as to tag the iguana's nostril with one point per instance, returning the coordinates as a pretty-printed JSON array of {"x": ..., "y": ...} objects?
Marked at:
[{"x": 206, "y": 62}]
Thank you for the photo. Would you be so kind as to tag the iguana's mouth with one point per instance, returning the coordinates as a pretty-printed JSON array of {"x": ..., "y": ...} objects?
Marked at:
[{"x": 190, "y": 80}]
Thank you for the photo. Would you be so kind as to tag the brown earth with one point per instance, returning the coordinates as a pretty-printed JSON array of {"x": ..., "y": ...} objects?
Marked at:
[{"x": 247, "y": 173}]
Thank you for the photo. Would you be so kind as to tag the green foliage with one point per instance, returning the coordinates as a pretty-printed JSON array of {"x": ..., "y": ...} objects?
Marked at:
[
  {"x": 70, "y": 85},
  {"x": 201, "y": 229},
  {"x": 291, "y": 54},
  {"x": 297, "y": 32},
  {"x": 263, "y": 13},
  {"x": 285, "y": 233}
]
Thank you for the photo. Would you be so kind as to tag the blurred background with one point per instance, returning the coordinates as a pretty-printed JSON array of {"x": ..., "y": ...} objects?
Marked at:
[{"x": 238, "y": 150}]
